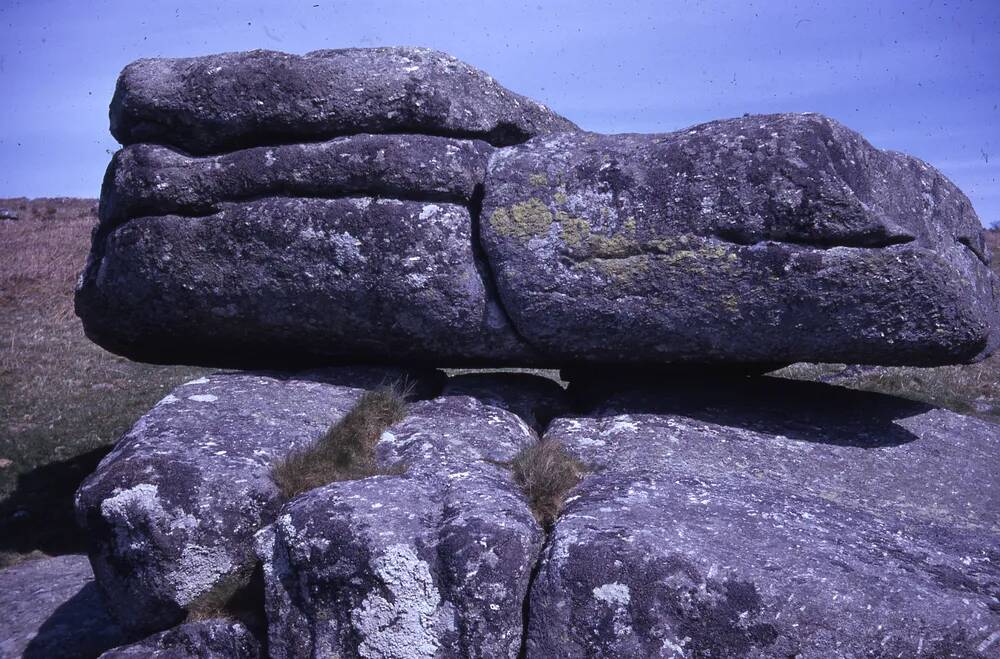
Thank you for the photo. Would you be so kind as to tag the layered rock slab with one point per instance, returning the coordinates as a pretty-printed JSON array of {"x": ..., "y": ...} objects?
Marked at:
[
  {"x": 171, "y": 512},
  {"x": 52, "y": 608},
  {"x": 233, "y": 100},
  {"x": 761, "y": 239},
  {"x": 772, "y": 519},
  {"x": 203, "y": 639},
  {"x": 432, "y": 563},
  {"x": 150, "y": 179},
  {"x": 298, "y": 280}
]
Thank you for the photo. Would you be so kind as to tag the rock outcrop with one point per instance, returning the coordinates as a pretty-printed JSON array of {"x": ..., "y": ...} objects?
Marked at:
[
  {"x": 759, "y": 517},
  {"x": 772, "y": 519},
  {"x": 435, "y": 562},
  {"x": 395, "y": 205},
  {"x": 234, "y": 100},
  {"x": 172, "y": 511}
]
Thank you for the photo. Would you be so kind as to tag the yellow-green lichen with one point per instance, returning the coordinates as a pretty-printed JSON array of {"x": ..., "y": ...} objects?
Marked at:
[
  {"x": 523, "y": 220},
  {"x": 575, "y": 232},
  {"x": 538, "y": 180},
  {"x": 561, "y": 198},
  {"x": 577, "y": 235},
  {"x": 623, "y": 270}
]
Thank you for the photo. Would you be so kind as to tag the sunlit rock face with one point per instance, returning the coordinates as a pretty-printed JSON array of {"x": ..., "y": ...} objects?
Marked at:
[
  {"x": 397, "y": 205},
  {"x": 731, "y": 517},
  {"x": 760, "y": 239},
  {"x": 770, "y": 518},
  {"x": 171, "y": 512}
]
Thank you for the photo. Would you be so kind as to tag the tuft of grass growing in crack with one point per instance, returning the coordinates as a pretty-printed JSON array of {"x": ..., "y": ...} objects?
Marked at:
[
  {"x": 347, "y": 450},
  {"x": 546, "y": 472}
]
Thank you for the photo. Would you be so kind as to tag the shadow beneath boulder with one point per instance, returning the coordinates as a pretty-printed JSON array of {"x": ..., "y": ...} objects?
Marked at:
[
  {"x": 80, "y": 627},
  {"x": 804, "y": 411},
  {"x": 38, "y": 514}
]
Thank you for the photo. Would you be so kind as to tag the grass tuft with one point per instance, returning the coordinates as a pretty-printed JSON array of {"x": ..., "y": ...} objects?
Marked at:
[
  {"x": 546, "y": 473},
  {"x": 347, "y": 450}
]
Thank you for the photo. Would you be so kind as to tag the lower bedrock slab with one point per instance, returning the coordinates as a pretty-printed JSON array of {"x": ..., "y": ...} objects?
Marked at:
[
  {"x": 51, "y": 608},
  {"x": 203, "y": 639},
  {"x": 432, "y": 563},
  {"x": 171, "y": 512},
  {"x": 772, "y": 519}
]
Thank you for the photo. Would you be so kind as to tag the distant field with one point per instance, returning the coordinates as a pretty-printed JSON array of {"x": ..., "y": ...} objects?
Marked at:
[{"x": 64, "y": 401}]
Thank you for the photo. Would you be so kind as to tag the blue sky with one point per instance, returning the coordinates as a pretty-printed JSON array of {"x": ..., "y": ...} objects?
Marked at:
[{"x": 921, "y": 77}]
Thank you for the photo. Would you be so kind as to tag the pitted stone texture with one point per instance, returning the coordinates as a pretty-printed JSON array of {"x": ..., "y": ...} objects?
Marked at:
[
  {"x": 761, "y": 239},
  {"x": 294, "y": 280},
  {"x": 772, "y": 519},
  {"x": 148, "y": 179},
  {"x": 172, "y": 510},
  {"x": 433, "y": 563},
  {"x": 231, "y": 100},
  {"x": 534, "y": 398},
  {"x": 51, "y": 608},
  {"x": 205, "y": 639}
]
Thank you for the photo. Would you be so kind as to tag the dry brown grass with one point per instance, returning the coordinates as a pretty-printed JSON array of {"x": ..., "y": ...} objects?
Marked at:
[
  {"x": 347, "y": 450},
  {"x": 993, "y": 244},
  {"x": 63, "y": 400},
  {"x": 546, "y": 473}
]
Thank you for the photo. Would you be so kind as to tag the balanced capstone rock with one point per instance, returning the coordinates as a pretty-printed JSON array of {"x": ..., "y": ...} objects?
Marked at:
[{"x": 396, "y": 205}]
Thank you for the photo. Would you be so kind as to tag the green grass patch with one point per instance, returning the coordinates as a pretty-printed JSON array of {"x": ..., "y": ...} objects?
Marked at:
[{"x": 347, "y": 450}]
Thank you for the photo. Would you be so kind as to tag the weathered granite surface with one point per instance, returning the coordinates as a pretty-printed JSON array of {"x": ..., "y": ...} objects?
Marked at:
[
  {"x": 721, "y": 517},
  {"x": 435, "y": 562},
  {"x": 760, "y": 239},
  {"x": 295, "y": 280},
  {"x": 772, "y": 519},
  {"x": 204, "y": 639},
  {"x": 172, "y": 510},
  {"x": 395, "y": 205},
  {"x": 50, "y": 608},
  {"x": 232, "y": 100},
  {"x": 149, "y": 179}
]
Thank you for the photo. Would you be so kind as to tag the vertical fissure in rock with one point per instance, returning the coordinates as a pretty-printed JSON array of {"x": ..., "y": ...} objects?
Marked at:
[
  {"x": 522, "y": 651},
  {"x": 483, "y": 264},
  {"x": 546, "y": 474}
]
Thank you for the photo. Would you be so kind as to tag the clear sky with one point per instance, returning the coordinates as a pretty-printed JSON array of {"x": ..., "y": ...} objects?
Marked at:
[{"x": 921, "y": 76}]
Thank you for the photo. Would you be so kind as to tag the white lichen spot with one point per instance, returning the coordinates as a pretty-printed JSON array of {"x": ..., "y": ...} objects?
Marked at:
[
  {"x": 615, "y": 594},
  {"x": 198, "y": 571},
  {"x": 124, "y": 510},
  {"x": 403, "y": 624},
  {"x": 203, "y": 398},
  {"x": 429, "y": 210}
]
